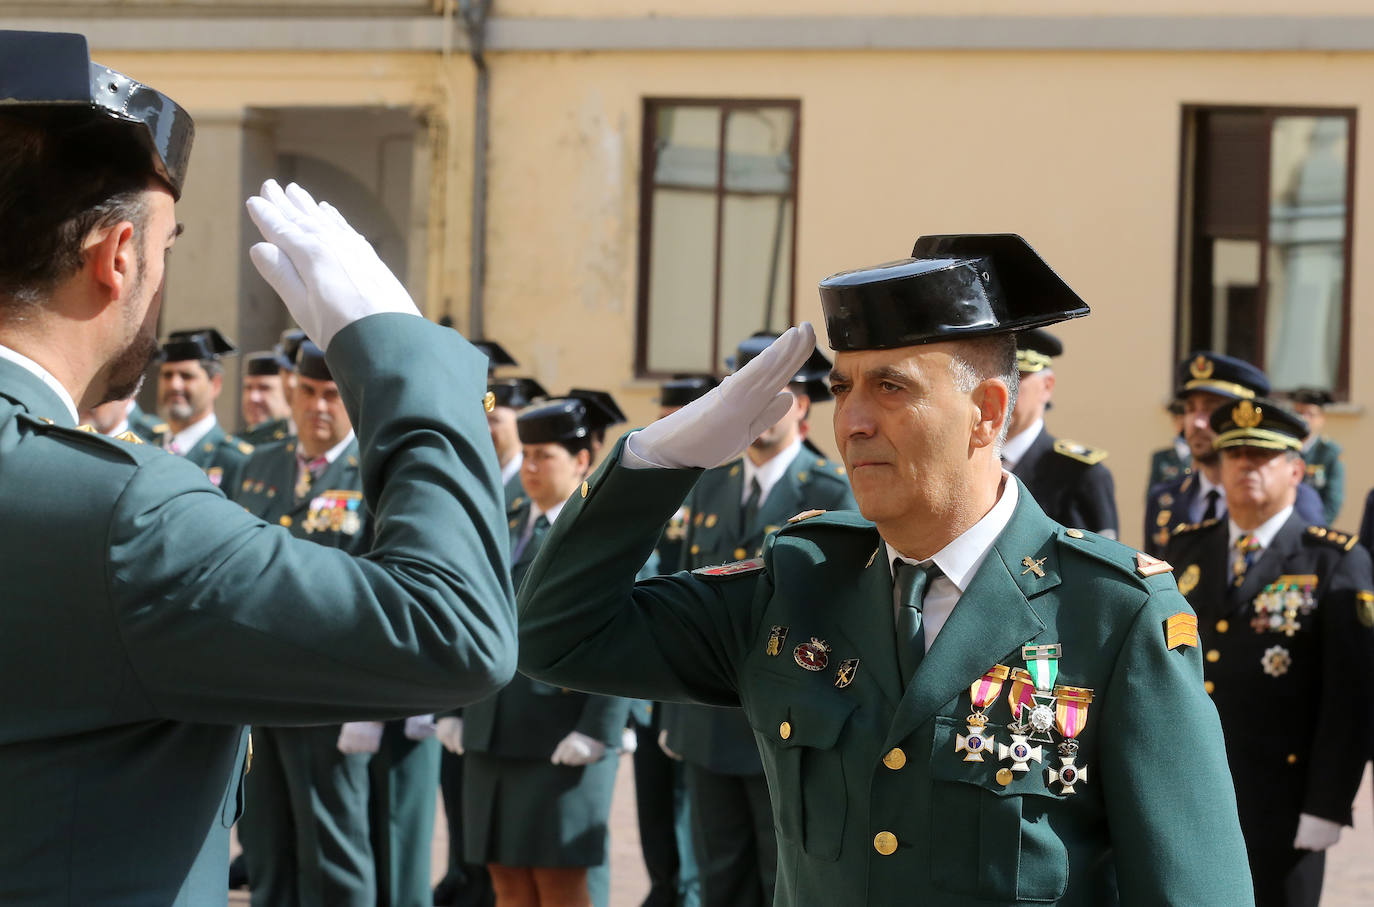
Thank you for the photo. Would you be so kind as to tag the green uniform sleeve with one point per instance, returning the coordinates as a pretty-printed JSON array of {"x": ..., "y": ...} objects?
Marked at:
[
  {"x": 603, "y": 718},
  {"x": 227, "y": 619},
  {"x": 585, "y": 624},
  {"x": 1166, "y": 784}
]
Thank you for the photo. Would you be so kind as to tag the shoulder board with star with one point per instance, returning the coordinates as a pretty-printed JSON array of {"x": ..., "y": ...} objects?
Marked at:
[
  {"x": 1321, "y": 535},
  {"x": 1075, "y": 451},
  {"x": 1123, "y": 558},
  {"x": 1182, "y": 528},
  {"x": 732, "y": 569},
  {"x": 827, "y": 519}
]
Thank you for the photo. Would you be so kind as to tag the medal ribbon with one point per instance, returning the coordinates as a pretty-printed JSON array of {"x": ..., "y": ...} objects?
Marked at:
[
  {"x": 1071, "y": 710},
  {"x": 1045, "y": 670},
  {"x": 1022, "y": 692},
  {"x": 986, "y": 689}
]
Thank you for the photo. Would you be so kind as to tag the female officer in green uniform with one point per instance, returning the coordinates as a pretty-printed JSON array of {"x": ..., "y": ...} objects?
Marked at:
[{"x": 541, "y": 759}]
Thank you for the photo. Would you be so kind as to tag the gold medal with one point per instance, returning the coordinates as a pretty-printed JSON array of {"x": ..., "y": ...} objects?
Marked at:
[{"x": 775, "y": 640}]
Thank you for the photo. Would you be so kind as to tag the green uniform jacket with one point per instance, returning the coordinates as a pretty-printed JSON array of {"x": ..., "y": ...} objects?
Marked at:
[
  {"x": 871, "y": 801},
  {"x": 1166, "y": 465},
  {"x": 1326, "y": 473},
  {"x": 149, "y": 428},
  {"x": 720, "y": 739},
  {"x": 267, "y": 432},
  {"x": 147, "y": 618},
  {"x": 331, "y": 513},
  {"x": 222, "y": 456}
]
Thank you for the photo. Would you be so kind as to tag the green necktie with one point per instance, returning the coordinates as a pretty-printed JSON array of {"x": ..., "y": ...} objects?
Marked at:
[
  {"x": 535, "y": 538},
  {"x": 912, "y": 582}
]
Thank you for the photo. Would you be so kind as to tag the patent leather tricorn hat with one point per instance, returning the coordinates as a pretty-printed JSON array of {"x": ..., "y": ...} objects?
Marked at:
[{"x": 953, "y": 287}]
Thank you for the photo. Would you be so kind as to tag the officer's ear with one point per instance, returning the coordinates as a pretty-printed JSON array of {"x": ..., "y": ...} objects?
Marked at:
[
  {"x": 110, "y": 257},
  {"x": 990, "y": 401},
  {"x": 583, "y": 459}
]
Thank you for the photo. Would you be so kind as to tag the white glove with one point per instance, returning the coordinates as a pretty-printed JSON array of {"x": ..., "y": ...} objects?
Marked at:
[
  {"x": 663, "y": 745},
  {"x": 450, "y": 734},
  {"x": 577, "y": 749},
  {"x": 325, "y": 272},
  {"x": 420, "y": 727},
  {"x": 1315, "y": 833},
  {"x": 629, "y": 741},
  {"x": 719, "y": 426},
  {"x": 360, "y": 737}
]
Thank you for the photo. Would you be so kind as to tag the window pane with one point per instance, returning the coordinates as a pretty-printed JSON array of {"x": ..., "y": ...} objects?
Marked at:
[
  {"x": 1235, "y": 298},
  {"x": 682, "y": 263},
  {"x": 687, "y": 146},
  {"x": 1306, "y": 263}
]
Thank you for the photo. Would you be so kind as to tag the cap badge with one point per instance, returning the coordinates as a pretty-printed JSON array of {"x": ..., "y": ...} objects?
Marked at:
[
  {"x": 1247, "y": 414},
  {"x": 1201, "y": 367}
]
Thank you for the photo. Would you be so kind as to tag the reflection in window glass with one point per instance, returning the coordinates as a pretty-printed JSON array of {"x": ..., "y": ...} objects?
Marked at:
[{"x": 1306, "y": 263}]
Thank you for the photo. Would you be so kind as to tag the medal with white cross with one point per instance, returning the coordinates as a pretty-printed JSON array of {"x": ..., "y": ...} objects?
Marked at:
[
  {"x": 982, "y": 693},
  {"x": 1020, "y": 752},
  {"x": 1070, "y": 715}
]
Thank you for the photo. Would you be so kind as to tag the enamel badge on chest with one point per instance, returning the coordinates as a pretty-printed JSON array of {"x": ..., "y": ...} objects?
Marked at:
[{"x": 813, "y": 655}]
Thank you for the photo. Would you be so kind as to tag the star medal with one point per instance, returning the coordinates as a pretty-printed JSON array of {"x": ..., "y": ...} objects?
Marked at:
[
  {"x": 813, "y": 655},
  {"x": 982, "y": 693},
  {"x": 1070, "y": 716}
]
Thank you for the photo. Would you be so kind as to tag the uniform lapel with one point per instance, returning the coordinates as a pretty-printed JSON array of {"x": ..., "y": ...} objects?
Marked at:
[
  {"x": 993, "y": 617},
  {"x": 1209, "y": 599},
  {"x": 872, "y": 624},
  {"x": 198, "y": 454}
]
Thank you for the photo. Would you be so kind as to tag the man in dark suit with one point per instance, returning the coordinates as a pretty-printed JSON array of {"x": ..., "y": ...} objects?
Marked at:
[
  {"x": 1284, "y": 611},
  {"x": 1068, "y": 480}
]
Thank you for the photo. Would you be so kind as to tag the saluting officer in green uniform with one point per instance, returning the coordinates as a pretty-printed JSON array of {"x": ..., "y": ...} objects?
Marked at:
[
  {"x": 1325, "y": 471},
  {"x": 958, "y": 702},
  {"x": 305, "y": 828},
  {"x": 188, "y": 384},
  {"x": 147, "y": 619},
  {"x": 1284, "y": 610},
  {"x": 266, "y": 412},
  {"x": 731, "y": 510},
  {"x": 1068, "y": 480},
  {"x": 540, "y": 760}
]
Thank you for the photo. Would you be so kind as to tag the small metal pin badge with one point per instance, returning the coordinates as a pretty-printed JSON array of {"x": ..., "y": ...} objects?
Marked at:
[{"x": 1034, "y": 566}]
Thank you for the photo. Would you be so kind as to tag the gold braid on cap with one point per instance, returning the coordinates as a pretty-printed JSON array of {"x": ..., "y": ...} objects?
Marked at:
[{"x": 1031, "y": 361}]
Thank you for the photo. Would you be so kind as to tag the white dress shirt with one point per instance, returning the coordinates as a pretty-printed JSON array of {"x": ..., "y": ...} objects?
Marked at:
[
  {"x": 43, "y": 375},
  {"x": 185, "y": 441},
  {"x": 1013, "y": 449},
  {"x": 769, "y": 473},
  {"x": 958, "y": 562}
]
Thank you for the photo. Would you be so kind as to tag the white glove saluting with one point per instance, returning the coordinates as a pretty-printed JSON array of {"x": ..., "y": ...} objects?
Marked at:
[
  {"x": 323, "y": 269},
  {"x": 360, "y": 737},
  {"x": 1315, "y": 833},
  {"x": 450, "y": 734},
  {"x": 420, "y": 727},
  {"x": 718, "y": 427},
  {"x": 577, "y": 749}
]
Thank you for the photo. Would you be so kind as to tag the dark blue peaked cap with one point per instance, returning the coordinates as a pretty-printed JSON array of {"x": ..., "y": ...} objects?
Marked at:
[
  {"x": 952, "y": 287},
  {"x": 50, "y": 75},
  {"x": 1219, "y": 374}
]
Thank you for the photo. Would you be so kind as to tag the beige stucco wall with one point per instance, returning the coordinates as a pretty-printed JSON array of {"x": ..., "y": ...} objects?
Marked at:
[
  {"x": 1077, "y": 151},
  {"x": 702, "y": 8}
]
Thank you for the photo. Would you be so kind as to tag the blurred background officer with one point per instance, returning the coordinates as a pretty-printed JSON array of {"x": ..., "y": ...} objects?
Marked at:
[
  {"x": 541, "y": 760},
  {"x": 189, "y": 382},
  {"x": 1206, "y": 381},
  {"x": 731, "y": 510},
  {"x": 1169, "y": 463},
  {"x": 112, "y": 419},
  {"x": 1325, "y": 471},
  {"x": 1284, "y": 611},
  {"x": 305, "y": 827},
  {"x": 266, "y": 414},
  {"x": 162, "y": 618},
  {"x": 511, "y": 395},
  {"x": 829, "y": 640},
  {"x": 1067, "y": 480}
]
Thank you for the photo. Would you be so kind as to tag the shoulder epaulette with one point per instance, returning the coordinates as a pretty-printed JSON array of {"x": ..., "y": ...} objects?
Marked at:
[
  {"x": 810, "y": 519},
  {"x": 83, "y": 433},
  {"x": 1321, "y": 535},
  {"x": 1193, "y": 527},
  {"x": 1072, "y": 449},
  {"x": 1124, "y": 558},
  {"x": 243, "y": 446},
  {"x": 824, "y": 467}
]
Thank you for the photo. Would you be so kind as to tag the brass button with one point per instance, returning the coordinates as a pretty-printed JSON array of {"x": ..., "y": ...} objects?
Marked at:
[
  {"x": 285, "y": 520},
  {"x": 1223, "y": 625},
  {"x": 1208, "y": 686},
  {"x": 1074, "y": 533},
  {"x": 1004, "y": 776},
  {"x": 785, "y": 730},
  {"x": 584, "y": 489},
  {"x": 696, "y": 549},
  {"x": 1292, "y": 758},
  {"x": 885, "y": 843},
  {"x": 489, "y": 401},
  {"x": 740, "y": 553},
  {"x": 1213, "y": 655},
  {"x": 895, "y": 758}
]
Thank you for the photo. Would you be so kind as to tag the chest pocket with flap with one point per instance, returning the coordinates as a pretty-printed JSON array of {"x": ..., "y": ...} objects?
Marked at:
[{"x": 798, "y": 726}]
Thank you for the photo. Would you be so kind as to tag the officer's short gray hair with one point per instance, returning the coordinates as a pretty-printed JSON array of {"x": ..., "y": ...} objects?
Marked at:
[{"x": 981, "y": 358}]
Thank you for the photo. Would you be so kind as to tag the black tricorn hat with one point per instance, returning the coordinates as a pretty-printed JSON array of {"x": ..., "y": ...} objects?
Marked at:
[
  {"x": 1258, "y": 422},
  {"x": 814, "y": 373},
  {"x": 262, "y": 364},
  {"x": 554, "y": 421},
  {"x": 1315, "y": 396},
  {"x": 1035, "y": 348},
  {"x": 310, "y": 362},
  {"x": 952, "y": 287},
  {"x": 197, "y": 343},
  {"x": 602, "y": 410},
  {"x": 496, "y": 354},
  {"x": 516, "y": 393},
  {"x": 287, "y": 344},
  {"x": 50, "y": 74},
  {"x": 683, "y": 389}
]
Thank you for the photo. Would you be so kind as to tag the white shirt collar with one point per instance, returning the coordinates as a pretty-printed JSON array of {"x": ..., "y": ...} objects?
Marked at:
[
  {"x": 119, "y": 429},
  {"x": 43, "y": 375},
  {"x": 769, "y": 473},
  {"x": 512, "y": 469},
  {"x": 337, "y": 450},
  {"x": 186, "y": 439},
  {"x": 961, "y": 558},
  {"x": 551, "y": 514},
  {"x": 1181, "y": 447},
  {"x": 1013, "y": 449},
  {"x": 1205, "y": 485},
  {"x": 1266, "y": 531}
]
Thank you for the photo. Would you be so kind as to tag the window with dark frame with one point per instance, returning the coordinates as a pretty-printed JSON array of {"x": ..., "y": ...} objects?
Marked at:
[
  {"x": 1264, "y": 240},
  {"x": 717, "y": 229}
]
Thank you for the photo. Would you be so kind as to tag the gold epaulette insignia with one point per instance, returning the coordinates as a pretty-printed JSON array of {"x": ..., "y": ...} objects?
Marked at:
[
  {"x": 245, "y": 448},
  {"x": 1072, "y": 449},
  {"x": 1188, "y": 581},
  {"x": 87, "y": 428},
  {"x": 1151, "y": 566},
  {"x": 1364, "y": 607},
  {"x": 1333, "y": 537},
  {"x": 805, "y": 515},
  {"x": 1180, "y": 630},
  {"x": 130, "y": 437}
]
